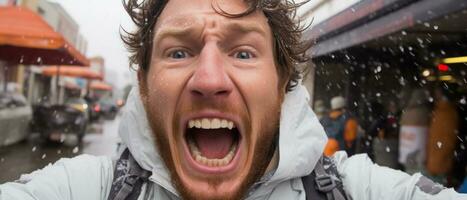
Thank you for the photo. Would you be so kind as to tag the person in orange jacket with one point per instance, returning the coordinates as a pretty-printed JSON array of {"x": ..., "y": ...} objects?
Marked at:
[
  {"x": 442, "y": 137},
  {"x": 341, "y": 128}
]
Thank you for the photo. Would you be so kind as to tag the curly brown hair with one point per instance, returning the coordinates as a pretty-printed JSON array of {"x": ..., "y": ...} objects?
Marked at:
[{"x": 289, "y": 49}]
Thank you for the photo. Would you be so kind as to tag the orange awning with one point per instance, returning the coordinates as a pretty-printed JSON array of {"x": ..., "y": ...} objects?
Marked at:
[
  {"x": 100, "y": 86},
  {"x": 73, "y": 71},
  {"x": 25, "y": 38}
]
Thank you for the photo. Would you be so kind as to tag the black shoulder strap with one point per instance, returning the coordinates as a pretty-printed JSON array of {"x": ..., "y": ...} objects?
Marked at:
[
  {"x": 324, "y": 182},
  {"x": 128, "y": 178}
]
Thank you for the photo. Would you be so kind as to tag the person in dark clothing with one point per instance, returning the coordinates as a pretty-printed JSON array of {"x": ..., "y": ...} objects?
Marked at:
[
  {"x": 385, "y": 132},
  {"x": 341, "y": 128}
]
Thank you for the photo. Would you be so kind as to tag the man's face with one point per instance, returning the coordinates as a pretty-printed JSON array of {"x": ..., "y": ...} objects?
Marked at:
[{"x": 212, "y": 97}]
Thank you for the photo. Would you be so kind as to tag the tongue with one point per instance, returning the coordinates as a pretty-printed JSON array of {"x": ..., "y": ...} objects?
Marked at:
[{"x": 214, "y": 143}]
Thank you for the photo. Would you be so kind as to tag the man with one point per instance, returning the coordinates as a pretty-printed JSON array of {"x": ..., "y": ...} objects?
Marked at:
[
  {"x": 341, "y": 128},
  {"x": 442, "y": 136},
  {"x": 215, "y": 116},
  {"x": 414, "y": 127}
]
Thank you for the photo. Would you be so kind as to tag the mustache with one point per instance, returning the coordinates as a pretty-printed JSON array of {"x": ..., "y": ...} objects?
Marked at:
[
  {"x": 211, "y": 103},
  {"x": 220, "y": 105}
]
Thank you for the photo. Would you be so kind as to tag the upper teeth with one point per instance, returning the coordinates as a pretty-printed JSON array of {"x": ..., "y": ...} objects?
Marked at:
[{"x": 210, "y": 123}]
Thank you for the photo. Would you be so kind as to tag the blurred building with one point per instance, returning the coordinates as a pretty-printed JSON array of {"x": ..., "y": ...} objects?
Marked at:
[
  {"x": 41, "y": 88},
  {"x": 313, "y": 13},
  {"x": 97, "y": 64},
  {"x": 379, "y": 49},
  {"x": 57, "y": 17}
]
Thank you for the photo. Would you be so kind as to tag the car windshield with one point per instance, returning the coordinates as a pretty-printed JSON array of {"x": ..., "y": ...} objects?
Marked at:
[
  {"x": 76, "y": 101},
  {"x": 107, "y": 101}
]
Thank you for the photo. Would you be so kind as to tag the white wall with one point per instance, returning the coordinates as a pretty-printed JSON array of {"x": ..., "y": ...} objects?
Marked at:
[
  {"x": 320, "y": 10},
  {"x": 60, "y": 20}
]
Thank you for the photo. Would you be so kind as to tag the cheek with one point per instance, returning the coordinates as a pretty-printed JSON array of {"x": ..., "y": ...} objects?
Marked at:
[
  {"x": 162, "y": 93},
  {"x": 260, "y": 90},
  {"x": 261, "y": 94}
]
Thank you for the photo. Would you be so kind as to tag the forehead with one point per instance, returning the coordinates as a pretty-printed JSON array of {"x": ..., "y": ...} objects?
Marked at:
[{"x": 184, "y": 14}]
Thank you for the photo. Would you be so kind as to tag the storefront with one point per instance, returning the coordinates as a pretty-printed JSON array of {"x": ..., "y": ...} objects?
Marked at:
[
  {"x": 382, "y": 51},
  {"x": 377, "y": 49}
]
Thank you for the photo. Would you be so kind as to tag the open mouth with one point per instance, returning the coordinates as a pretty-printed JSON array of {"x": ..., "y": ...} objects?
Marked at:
[{"x": 212, "y": 142}]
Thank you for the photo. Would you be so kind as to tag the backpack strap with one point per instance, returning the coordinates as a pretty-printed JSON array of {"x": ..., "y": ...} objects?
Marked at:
[
  {"x": 324, "y": 184},
  {"x": 128, "y": 178}
]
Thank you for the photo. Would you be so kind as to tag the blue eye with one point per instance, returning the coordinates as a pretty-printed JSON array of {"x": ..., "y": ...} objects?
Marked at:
[
  {"x": 243, "y": 55},
  {"x": 178, "y": 54}
]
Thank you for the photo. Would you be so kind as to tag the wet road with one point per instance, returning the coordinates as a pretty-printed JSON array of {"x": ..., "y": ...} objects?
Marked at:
[{"x": 101, "y": 139}]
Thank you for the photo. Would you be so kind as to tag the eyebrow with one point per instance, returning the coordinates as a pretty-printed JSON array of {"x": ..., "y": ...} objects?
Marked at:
[
  {"x": 245, "y": 28},
  {"x": 236, "y": 27}
]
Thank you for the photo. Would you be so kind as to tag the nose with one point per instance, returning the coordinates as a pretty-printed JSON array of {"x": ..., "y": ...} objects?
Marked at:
[{"x": 210, "y": 79}]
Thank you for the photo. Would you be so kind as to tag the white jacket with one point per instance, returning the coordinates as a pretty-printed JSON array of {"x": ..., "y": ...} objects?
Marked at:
[{"x": 301, "y": 143}]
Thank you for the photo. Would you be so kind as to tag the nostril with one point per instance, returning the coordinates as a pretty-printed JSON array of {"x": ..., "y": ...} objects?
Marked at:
[
  {"x": 196, "y": 93},
  {"x": 200, "y": 93},
  {"x": 222, "y": 93}
]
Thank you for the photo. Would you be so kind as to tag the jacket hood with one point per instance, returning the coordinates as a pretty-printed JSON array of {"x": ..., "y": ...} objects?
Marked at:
[{"x": 301, "y": 138}]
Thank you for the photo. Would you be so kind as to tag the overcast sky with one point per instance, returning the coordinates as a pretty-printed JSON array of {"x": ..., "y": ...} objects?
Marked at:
[{"x": 99, "y": 22}]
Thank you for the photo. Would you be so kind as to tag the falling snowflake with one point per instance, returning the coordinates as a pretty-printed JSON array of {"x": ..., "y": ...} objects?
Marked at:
[
  {"x": 75, "y": 150},
  {"x": 463, "y": 101},
  {"x": 439, "y": 144}
]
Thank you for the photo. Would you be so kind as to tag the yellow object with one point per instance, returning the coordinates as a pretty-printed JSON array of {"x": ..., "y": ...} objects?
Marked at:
[{"x": 462, "y": 59}]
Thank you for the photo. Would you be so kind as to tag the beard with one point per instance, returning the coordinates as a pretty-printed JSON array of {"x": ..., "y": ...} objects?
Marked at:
[{"x": 262, "y": 154}]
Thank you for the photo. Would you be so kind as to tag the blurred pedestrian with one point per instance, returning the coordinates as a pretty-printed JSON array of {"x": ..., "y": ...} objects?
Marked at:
[
  {"x": 413, "y": 132},
  {"x": 385, "y": 134},
  {"x": 442, "y": 137},
  {"x": 341, "y": 128},
  {"x": 459, "y": 170},
  {"x": 320, "y": 109}
]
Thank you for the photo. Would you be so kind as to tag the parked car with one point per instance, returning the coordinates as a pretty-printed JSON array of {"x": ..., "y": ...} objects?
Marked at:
[
  {"x": 15, "y": 116},
  {"x": 54, "y": 122},
  {"x": 80, "y": 104},
  {"x": 95, "y": 111},
  {"x": 108, "y": 108},
  {"x": 104, "y": 107}
]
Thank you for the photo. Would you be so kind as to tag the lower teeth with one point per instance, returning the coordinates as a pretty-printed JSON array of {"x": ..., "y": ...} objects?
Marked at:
[{"x": 214, "y": 162}]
